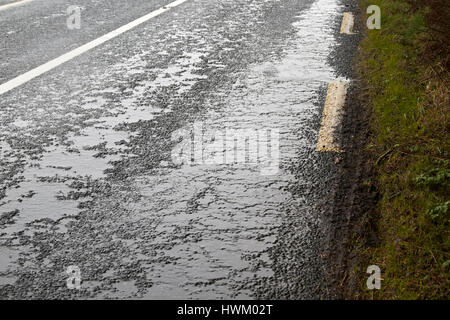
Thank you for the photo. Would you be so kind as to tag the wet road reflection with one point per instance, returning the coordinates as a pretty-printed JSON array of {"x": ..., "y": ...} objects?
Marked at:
[{"x": 104, "y": 193}]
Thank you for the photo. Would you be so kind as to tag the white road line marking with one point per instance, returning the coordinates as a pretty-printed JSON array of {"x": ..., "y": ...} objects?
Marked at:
[
  {"x": 10, "y": 5},
  {"x": 19, "y": 80},
  {"x": 332, "y": 117},
  {"x": 347, "y": 23}
]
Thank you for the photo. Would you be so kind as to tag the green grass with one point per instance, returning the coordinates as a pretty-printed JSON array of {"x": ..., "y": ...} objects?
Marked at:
[{"x": 411, "y": 118}]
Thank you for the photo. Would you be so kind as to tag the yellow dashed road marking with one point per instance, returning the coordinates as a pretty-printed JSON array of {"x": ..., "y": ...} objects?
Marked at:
[
  {"x": 332, "y": 117},
  {"x": 347, "y": 23}
]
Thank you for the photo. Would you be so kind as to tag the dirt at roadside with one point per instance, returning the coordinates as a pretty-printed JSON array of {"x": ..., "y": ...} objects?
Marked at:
[{"x": 354, "y": 202}]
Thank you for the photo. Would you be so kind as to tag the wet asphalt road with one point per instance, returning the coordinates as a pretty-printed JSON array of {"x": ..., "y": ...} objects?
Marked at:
[{"x": 88, "y": 178}]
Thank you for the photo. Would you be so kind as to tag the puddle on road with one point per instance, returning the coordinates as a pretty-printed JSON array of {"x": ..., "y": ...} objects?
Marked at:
[
  {"x": 180, "y": 73},
  {"x": 211, "y": 227},
  {"x": 44, "y": 180},
  {"x": 7, "y": 258},
  {"x": 219, "y": 221},
  {"x": 5, "y": 148}
]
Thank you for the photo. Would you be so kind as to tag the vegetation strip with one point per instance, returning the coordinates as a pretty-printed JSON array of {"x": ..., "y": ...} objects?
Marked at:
[{"x": 404, "y": 67}]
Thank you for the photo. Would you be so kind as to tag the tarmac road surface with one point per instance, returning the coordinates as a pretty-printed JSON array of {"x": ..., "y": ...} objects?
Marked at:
[{"x": 175, "y": 160}]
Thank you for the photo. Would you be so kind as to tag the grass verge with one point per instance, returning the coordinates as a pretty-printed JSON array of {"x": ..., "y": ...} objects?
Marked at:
[{"x": 404, "y": 68}]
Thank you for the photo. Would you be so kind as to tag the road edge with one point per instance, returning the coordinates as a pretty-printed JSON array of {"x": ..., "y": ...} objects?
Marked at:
[{"x": 353, "y": 207}]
